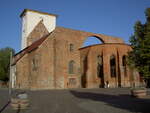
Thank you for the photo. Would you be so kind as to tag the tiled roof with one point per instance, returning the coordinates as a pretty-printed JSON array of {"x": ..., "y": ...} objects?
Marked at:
[{"x": 28, "y": 49}]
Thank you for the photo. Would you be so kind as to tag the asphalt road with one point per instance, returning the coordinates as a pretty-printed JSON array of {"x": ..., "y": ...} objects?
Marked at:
[{"x": 79, "y": 101}]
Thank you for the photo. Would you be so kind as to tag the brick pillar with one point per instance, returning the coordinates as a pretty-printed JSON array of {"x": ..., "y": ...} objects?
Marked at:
[
  {"x": 89, "y": 71},
  {"x": 128, "y": 74},
  {"x": 106, "y": 65},
  {"x": 121, "y": 71}
]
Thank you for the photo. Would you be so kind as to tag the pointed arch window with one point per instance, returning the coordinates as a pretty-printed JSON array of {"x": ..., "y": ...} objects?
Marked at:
[
  {"x": 35, "y": 62},
  {"x": 124, "y": 64},
  {"x": 71, "y": 67},
  {"x": 124, "y": 60},
  {"x": 113, "y": 66},
  {"x": 99, "y": 66},
  {"x": 71, "y": 47}
]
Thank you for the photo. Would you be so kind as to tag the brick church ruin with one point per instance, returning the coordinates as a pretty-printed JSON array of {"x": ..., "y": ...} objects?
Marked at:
[{"x": 53, "y": 57}]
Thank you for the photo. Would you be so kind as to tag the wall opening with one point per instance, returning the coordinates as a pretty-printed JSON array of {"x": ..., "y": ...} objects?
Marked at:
[
  {"x": 92, "y": 41},
  {"x": 113, "y": 66},
  {"x": 124, "y": 64},
  {"x": 71, "y": 47},
  {"x": 99, "y": 66},
  {"x": 100, "y": 70}
]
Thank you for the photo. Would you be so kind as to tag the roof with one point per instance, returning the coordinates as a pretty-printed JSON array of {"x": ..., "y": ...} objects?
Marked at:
[
  {"x": 30, "y": 48},
  {"x": 25, "y": 10}
]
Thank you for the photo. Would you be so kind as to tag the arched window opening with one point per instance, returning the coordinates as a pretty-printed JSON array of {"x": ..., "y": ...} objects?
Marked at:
[
  {"x": 99, "y": 66},
  {"x": 71, "y": 47},
  {"x": 124, "y": 64},
  {"x": 91, "y": 41},
  {"x": 35, "y": 63},
  {"x": 113, "y": 66},
  {"x": 124, "y": 60},
  {"x": 71, "y": 67}
]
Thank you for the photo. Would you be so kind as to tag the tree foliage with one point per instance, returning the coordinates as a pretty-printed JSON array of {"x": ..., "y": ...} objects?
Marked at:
[
  {"x": 4, "y": 62},
  {"x": 140, "y": 42}
]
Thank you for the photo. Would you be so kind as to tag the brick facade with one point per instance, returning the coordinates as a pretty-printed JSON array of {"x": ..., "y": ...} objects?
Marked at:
[{"x": 47, "y": 65}]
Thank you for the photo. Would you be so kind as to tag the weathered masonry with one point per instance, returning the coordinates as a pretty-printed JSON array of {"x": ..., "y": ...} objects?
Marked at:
[{"x": 54, "y": 57}]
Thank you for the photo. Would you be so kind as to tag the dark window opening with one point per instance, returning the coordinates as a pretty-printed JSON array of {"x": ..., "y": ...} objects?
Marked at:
[
  {"x": 113, "y": 66},
  {"x": 99, "y": 66},
  {"x": 124, "y": 64}
]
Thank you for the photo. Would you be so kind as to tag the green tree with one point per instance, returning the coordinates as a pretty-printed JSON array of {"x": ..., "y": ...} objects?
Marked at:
[
  {"x": 4, "y": 62},
  {"x": 140, "y": 42}
]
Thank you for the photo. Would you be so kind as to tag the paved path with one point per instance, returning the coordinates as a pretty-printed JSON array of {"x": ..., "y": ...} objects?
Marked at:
[{"x": 80, "y": 101}]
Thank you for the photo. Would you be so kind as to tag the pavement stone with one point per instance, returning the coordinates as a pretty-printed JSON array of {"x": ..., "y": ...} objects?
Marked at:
[{"x": 103, "y": 100}]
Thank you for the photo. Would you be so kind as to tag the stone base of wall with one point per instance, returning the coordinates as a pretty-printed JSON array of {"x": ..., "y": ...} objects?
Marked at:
[{"x": 88, "y": 85}]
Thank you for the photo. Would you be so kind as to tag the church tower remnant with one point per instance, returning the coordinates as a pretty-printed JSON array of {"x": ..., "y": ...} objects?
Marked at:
[{"x": 30, "y": 18}]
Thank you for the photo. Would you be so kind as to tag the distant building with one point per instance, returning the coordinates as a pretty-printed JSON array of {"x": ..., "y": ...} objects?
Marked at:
[{"x": 54, "y": 57}]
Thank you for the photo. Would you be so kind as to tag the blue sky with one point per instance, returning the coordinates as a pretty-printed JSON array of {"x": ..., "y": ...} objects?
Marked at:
[{"x": 110, "y": 17}]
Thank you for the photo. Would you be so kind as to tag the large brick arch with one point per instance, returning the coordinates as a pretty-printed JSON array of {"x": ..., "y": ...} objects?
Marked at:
[
  {"x": 78, "y": 37},
  {"x": 109, "y": 39},
  {"x": 87, "y": 35},
  {"x": 103, "y": 38},
  {"x": 97, "y": 37}
]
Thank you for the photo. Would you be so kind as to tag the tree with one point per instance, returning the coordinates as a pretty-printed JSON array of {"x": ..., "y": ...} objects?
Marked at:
[
  {"x": 5, "y": 62},
  {"x": 140, "y": 42}
]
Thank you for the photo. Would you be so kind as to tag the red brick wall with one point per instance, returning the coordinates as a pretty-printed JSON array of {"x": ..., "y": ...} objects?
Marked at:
[
  {"x": 106, "y": 50},
  {"x": 53, "y": 57},
  {"x": 22, "y": 73}
]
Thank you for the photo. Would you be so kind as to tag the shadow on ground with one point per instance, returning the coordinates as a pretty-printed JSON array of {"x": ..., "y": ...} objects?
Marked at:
[
  {"x": 102, "y": 100},
  {"x": 126, "y": 102}
]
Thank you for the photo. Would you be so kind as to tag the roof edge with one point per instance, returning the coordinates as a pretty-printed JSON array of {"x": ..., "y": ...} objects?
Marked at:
[
  {"x": 30, "y": 48},
  {"x": 25, "y": 10}
]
